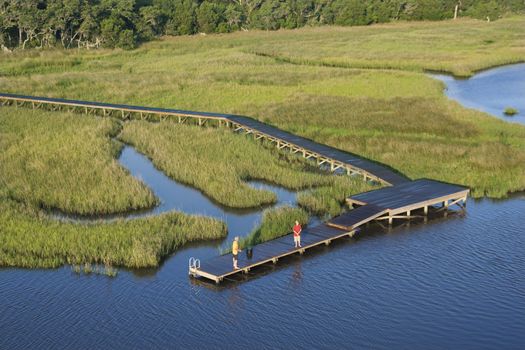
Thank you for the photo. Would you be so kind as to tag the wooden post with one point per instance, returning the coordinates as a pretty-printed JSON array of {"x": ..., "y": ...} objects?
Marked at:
[
  {"x": 425, "y": 209},
  {"x": 390, "y": 220}
]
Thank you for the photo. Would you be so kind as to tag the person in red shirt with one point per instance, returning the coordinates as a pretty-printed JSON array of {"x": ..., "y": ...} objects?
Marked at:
[{"x": 297, "y": 234}]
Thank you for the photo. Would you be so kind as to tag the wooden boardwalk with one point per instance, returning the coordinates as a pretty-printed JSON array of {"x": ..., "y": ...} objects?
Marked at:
[
  {"x": 406, "y": 201},
  {"x": 391, "y": 203},
  {"x": 332, "y": 158}
]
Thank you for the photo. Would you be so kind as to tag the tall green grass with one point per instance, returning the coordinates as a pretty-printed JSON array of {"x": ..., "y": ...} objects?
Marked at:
[
  {"x": 29, "y": 239},
  {"x": 55, "y": 160},
  {"x": 66, "y": 162},
  {"x": 330, "y": 201},
  {"x": 420, "y": 137},
  {"x": 460, "y": 47},
  {"x": 359, "y": 89},
  {"x": 220, "y": 163}
]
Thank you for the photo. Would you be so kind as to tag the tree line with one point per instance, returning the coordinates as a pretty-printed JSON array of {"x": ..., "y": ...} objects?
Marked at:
[{"x": 126, "y": 23}]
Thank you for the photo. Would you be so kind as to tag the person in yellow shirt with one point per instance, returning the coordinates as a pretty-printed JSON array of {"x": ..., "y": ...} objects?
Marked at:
[{"x": 235, "y": 252}]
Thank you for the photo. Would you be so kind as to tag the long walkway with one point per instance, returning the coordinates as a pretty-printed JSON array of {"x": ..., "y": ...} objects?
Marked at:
[
  {"x": 397, "y": 202},
  {"x": 325, "y": 155}
]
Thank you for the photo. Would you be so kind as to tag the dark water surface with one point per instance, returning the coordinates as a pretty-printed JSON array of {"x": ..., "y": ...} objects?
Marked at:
[
  {"x": 455, "y": 282},
  {"x": 491, "y": 91}
]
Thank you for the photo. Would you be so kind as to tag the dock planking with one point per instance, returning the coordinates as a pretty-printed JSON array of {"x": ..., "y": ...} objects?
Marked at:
[
  {"x": 382, "y": 204},
  {"x": 220, "y": 267}
]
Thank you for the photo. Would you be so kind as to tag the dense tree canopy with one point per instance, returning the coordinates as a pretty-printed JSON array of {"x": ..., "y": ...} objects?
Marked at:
[{"x": 124, "y": 23}]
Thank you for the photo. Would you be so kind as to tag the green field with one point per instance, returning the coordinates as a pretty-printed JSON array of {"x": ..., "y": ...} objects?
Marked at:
[{"x": 360, "y": 89}]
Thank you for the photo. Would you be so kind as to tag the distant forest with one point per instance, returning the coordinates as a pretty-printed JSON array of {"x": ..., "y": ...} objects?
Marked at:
[{"x": 126, "y": 23}]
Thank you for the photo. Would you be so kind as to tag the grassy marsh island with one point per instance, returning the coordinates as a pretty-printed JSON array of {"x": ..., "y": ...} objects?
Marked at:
[
  {"x": 509, "y": 111},
  {"x": 67, "y": 162}
]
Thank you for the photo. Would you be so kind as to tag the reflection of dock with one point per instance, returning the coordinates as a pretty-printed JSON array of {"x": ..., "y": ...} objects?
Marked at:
[
  {"x": 406, "y": 201},
  {"x": 332, "y": 158}
]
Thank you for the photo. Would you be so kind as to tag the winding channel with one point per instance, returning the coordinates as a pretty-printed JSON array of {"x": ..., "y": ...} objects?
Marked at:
[{"x": 174, "y": 196}]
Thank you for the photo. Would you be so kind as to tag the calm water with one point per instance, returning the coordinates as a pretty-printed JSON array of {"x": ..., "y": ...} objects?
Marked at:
[
  {"x": 455, "y": 282},
  {"x": 491, "y": 91}
]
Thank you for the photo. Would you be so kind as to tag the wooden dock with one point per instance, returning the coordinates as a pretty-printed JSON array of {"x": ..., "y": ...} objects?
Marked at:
[
  {"x": 329, "y": 157},
  {"x": 406, "y": 201}
]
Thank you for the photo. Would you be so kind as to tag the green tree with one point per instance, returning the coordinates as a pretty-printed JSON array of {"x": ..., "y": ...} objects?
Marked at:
[{"x": 208, "y": 17}]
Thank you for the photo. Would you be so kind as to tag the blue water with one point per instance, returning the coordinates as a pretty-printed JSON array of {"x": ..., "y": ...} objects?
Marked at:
[
  {"x": 491, "y": 91},
  {"x": 456, "y": 282}
]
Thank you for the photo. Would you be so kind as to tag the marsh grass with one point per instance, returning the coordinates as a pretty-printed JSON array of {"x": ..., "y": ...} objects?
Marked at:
[
  {"x": 220, "y": 163},
  {"x": 509, "y": 111},
  {"x": 461, "y": 47},
  {"x": 420, "y": 137},
  {"x": 329, "y": 201},
  {"x": 87, "y": 269},
  {"x": 30, "y": 239},
  {"x": 59, "y": 160},
  {"x": 359, "y": 89},
  {"x": 66, "y": 162}
]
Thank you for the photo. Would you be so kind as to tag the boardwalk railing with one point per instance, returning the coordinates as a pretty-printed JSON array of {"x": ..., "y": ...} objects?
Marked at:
[{"x": 325, "y": 156}]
